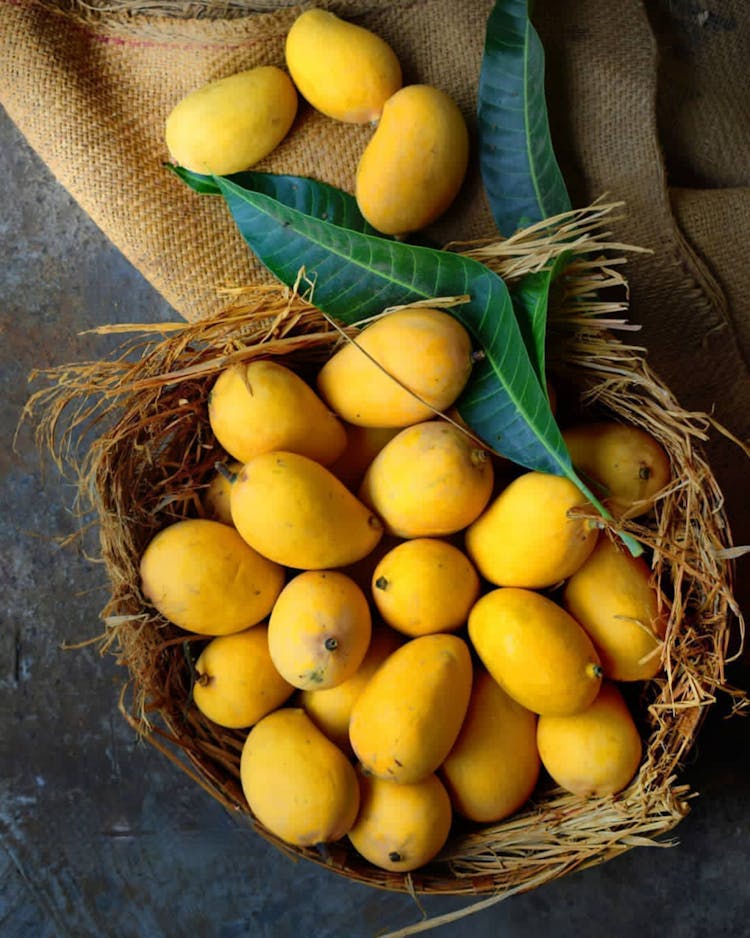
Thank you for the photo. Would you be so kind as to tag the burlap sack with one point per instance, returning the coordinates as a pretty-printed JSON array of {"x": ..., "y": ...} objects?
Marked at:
[
  {"x": 91, "y": 95},
  {"x": 640, "y": 96}
]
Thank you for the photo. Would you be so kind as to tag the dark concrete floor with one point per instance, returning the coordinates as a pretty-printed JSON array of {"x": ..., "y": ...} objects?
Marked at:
[{"x": 100, "y": 835}]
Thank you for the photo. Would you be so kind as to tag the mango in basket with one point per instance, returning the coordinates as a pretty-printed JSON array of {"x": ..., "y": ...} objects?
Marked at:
[
  {"x": 415, "y": 163},
  {"x": 593, "y": 753},
  {"x": 232, "y": 123},
  {"x": 494, "y": 765},
  {"x": 407, "y": 718},
  {"x": 535, "y": 651},
  {"x": 265, "y": 406},
  {"x": 331, "y": 709},
  {"x": 425, "y": 585},
  {"x": 630, "y": 464},
  {"x": 299, "y": 785},
  {"x": 528, "y": 537},
  {"x": 613, "y": 598},
  {"x": 345, "y": 71},
  {"x": 401, "y": 826},
  {"x": 399, "y": 370},
  {"x": 362, "y": 445},
  {"x": 319, "y": 630},
  {"x": 431, "y": 480},
  {"x": 216, "y": 497},
  {"x": 295, "y": 512},
  {"x": 203, "y": 577},
  {"x": 236, "y": 683}
]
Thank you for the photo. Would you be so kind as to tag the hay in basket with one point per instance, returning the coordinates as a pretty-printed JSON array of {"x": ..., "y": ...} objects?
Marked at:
[{"x": 155, "y": 452}]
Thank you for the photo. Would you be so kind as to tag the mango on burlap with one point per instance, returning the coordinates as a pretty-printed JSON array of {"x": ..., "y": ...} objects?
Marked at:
[{"x": 344, "y": 71}]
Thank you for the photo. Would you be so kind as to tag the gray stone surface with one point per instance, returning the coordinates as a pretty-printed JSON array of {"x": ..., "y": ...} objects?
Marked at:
[{"x": 101, "y": 836}]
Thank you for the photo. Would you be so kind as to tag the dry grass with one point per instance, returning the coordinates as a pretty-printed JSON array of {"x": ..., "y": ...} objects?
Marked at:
[{"x": 154, "y": 452}]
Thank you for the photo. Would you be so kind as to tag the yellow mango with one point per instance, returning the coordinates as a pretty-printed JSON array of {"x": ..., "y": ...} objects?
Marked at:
[
  {"x": 401, "y": 827},
  {"x": 431, "y": 480},
  {"x": 407, "y": 718},
  {"x": 299, "y": 785},
  {"x": 232, "y": 123},
  {"x": 372, "y": 382},
  {"x": 331, "y": 709},
  {"x": 205, "y": 578},
  {"x": 593, "y": 753},
  {"x": 265, "y": 406},
  {"x": 319, "y": 629},
  {"x": 535, "y": 651},
  {"x": 216, "y": 497},
  {"x": 236, "y": 683},
  {"x": 630, "y": 464},
  {"x": 415, "y": 163},
  {"x": 527, "y": 538},
  {"x": 424, "y": 586},
  {"x": 613, "y": 598},
  {"x": 294, "y": 511},
  {"x": 362, "y": 445},
  {"x": 345, "y": 71},
  {"x": 494, "y": 765}
]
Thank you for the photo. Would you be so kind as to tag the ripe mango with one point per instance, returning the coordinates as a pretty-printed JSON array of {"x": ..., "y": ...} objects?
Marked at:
[
  {"x": 535, "y": 651},
  {"x": 431, "y": 480},
  {"x": 236, "y": 682},
  {"x": 331, "y": 709},
  {"x": 401, "y": 826},
  {"x": 232, "y": 123},
  {"x": 299, "y": 785},
  {"x": 407, "y": 718},
  {"x": 424, "y": 586},
  {"x": 415, "y": 163},
  {"x": 526, "y": 537},
  {"x": 216, "y": 496},
  {"x": 345, "y": 71},
  {"x": 372, "y": 382},
  {"x": 630, "y": 464},
  {"x": 362, "y": 445},
  {"x": 205, "y": 578},
  {"x": 319, "y": 629},
  {"x": 613, "y": 598},
  {"x": 595, "y": 752},
  {"x": 295, "y": 512},
  {"x": 265, "y": 406},
  {"x": 494, "y": 765}
]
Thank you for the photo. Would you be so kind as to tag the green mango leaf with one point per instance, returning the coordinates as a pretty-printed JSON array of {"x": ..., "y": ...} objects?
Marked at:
[
  {"x": 357, "y": 275},
  {"x": 517, "y": 162},
  {"x": 299, "y": 192},
  {"x": 530, "y": 298}
]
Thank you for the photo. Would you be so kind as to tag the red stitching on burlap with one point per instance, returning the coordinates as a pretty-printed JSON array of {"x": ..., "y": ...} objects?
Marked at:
[{"x": 89, "y": 29}]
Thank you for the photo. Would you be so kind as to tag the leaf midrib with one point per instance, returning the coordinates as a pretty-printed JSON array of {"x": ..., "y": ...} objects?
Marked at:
[
  {"x": 338, "y": 252},
  {"x": 526, "y": 121}
]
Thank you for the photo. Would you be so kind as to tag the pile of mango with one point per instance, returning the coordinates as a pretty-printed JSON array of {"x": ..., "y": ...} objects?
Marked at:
[
  {"x": 415, "y": 162},
  {"x": 405, "y": 627}
]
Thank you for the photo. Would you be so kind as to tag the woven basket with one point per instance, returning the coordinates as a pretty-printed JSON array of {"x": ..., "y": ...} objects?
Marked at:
[{"x": 148, "y": 468}]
